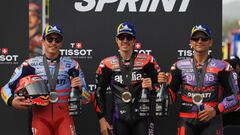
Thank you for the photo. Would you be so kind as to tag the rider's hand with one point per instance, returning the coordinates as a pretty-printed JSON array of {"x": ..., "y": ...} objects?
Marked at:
[
  {"x": 147, "y": 83},
  {"x": 105, "y": 128},
  {"x": 21, "y": 103},
  {"x": 207, "y": 114},
  {"x": 76, "y": 82},
  {"x": 163, "y": 77}
]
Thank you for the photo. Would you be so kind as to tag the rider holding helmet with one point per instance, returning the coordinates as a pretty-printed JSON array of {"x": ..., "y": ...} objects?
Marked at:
[{"x": 56, "y": 70}]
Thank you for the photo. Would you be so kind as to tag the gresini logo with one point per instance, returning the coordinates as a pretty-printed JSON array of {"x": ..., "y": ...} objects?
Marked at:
[
  {"x": 131, "y": 5},
  {"x": 77, "y": 51},
  {"x": 6, "y": 58}
]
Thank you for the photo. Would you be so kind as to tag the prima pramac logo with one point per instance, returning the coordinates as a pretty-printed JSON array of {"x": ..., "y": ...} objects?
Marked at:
[
  {"x": 77, "y": 51},
  {"x": 132, "y": 5},
  {"x": 6, "y": 57}
]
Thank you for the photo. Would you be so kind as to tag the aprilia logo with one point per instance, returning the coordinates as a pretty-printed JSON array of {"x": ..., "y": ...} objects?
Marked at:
[
  {"x": 146, "y": 5},
  {"x": 135, "y": 77}
]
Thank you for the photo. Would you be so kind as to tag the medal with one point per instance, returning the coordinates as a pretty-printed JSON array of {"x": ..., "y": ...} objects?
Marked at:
[
  {"x": 53, "y": 97},
  {"x": 197, "y": 100},
  {"x": 126, "y": 96}
]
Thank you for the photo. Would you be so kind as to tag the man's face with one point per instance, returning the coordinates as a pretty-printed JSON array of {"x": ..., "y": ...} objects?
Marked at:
[
  {"x": 200, "y": 42},
  {"x": 52, "y": 43},
  {"x": 34, "y": 20},
  {"x": 125, "y": 42}
]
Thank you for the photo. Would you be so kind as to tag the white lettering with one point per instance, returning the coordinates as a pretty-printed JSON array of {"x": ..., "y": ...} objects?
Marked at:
[
  {"x": 8, "y": 57},
  {"x": 144, "y": 6},
  {"x": 75, "y": 52},
  {"x": 72, "y": 45},
  {"x": 131, "y": 5},
  {"x": 184, "y": 5},
  {"x": 135, "y": 77},
  {"x": 92, "y": 87},
  {"x": 101, "y": 3},
  {"x": 168, "y": 5},
  {"x": 81, "y": 8},
  {"x": 144, "y": 51},
  {"x": 204, "y": 95},
  {"x": 210, "y": 77}
]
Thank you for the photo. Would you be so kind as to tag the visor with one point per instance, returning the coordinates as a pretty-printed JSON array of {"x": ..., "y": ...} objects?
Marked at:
[{"x": 37, "y": 88}]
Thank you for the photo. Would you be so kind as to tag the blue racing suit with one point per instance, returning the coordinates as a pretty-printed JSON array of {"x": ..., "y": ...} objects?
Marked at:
[{"x": 54, "y": 118}]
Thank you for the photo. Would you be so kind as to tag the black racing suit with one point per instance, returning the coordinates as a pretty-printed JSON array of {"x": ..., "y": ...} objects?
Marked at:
[
  {"x": 125, "y": 118},
  {"x": 219, "y": 89}
]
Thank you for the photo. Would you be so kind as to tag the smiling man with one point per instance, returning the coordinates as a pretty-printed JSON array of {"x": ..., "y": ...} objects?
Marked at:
[
  {"x": 208, "y": 87},
  {"x": 56, "y": 70},
  {"x": 127, "y": 73}
]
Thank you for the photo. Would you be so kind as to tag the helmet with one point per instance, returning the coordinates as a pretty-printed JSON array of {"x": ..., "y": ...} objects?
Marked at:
[
  {"x": 33, "y": 88},
  {"x": 233, "y": 61}
]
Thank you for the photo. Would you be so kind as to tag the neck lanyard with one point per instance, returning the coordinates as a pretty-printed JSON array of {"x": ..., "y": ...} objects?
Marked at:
[
  {"x": 51, "y": 79},
  {"x": 200, "y": 79}
]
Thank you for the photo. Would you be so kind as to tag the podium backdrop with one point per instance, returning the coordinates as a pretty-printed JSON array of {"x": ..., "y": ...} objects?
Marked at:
[{"x": 163, "y": 30}]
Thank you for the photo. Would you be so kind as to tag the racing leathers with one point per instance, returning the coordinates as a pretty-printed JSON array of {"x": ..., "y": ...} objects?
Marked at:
[
  {"x": 125, "y": 118},
  {"x": 54, "y": 118},
  {"x": 219, "y": 90}
]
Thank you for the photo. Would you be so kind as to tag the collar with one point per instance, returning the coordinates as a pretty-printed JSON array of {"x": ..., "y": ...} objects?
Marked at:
[{"x": 53, "y": 60}]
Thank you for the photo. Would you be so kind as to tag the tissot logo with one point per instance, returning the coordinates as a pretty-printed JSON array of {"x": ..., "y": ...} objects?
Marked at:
[
  {"x": 6, "y": 58},
  {"x": 144, "y": 51},
  {"x": 77, "y": 51},
  {"x": 131, "y": 5},
  {"x": 4, "y": 50},
  {"x": 78, "y": 45},
  {"x": 92, "y": 87},
  {"x": 182, "y": 54},
  {"x": 138, "y": 45}
]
